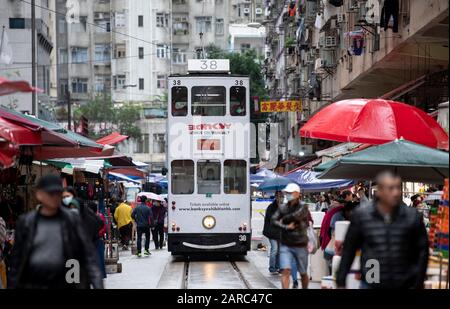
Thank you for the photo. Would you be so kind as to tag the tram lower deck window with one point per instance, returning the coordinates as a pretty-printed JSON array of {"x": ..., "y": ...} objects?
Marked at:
[
  {"x": 208, "y": 100},
  {"x": 208, "y": 177},
  {"x": 235, "y": 176},
  {"x": 182, "y": 176}
]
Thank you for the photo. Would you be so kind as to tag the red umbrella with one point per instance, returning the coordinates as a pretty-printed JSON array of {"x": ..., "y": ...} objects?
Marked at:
[
  {"x": 375, "y": 121},
  {"x": 12, "y": 86},
  {"x": 112, "y": 139}
]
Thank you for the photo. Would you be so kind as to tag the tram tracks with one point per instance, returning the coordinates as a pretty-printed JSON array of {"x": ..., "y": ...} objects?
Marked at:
[{"x": 212, "y": 274}]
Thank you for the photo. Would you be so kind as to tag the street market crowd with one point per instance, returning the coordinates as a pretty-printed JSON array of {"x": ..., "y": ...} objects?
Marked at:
[{"x": 61, "y": 243}]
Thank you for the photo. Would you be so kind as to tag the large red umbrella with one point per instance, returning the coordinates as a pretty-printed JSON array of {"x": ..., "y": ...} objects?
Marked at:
[
  {"x": 12, "y": 86},
  {"x": 375, "y": 121}
]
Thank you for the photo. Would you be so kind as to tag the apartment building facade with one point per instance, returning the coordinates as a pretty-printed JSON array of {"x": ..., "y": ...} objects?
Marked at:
[
  {"x": 324, "y": 51},
  {"x": 15, "y": 22}
]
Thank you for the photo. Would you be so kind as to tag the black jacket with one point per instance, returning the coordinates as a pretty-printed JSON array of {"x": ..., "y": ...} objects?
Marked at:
[
  {"x": 400, "y": 247},
  {"x": 271, "y": 230},
  {"x": 91, "y": 222},
  {"x": 299, "y": 214},
  {"x": 76, "y": 245},
  {"x": 143, "y": 216}
]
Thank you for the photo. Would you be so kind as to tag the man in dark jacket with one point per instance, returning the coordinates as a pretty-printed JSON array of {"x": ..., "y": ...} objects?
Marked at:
[
  {"x": 143, "y": 217},
  {"x": 51, "y": 248},
  {"x": 159, "y": 214},
  {"x": 293, "y": 218},
  {"x": 392, "y": 239},
  {"x": 273, "y": 233}
]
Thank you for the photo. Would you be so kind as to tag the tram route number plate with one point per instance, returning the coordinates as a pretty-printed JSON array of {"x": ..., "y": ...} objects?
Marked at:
[
  {"x": 243, "y": 237},
  {"x": 205, "y": 65}
]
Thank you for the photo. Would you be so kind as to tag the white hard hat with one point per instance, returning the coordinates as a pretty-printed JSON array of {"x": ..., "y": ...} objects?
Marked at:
[{"x": 292, "y": 187}]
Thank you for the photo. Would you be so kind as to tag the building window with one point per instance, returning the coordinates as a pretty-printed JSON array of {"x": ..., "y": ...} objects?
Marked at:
[
  {"x": 62, "y": 26},
  {"x": 179, "y": 101},
  {"x": 179, "y": 56},
  {"x": 208, "y": 177},
  {"x": 245, "y": 47},
  {"x": 203, "y": 24},
  {"x": 142, "y": 144},
  {"x": 119, "y": 81},
  {"x": 181, "y": 25},
  {"x": 140, "y": 21},
  {"x": 120, "y": 51},
  {"x": 120, "y": 20},
  {"x": 63, "y": 56},
  {"x": 182, "y": 176},
  {"x": 208, "y": 100},
  {"x": 161, "y": 82},
  {"x": 17, "y": 23},
  {"x": 141, "y": 84},
  {"x": 179, "y": 1},
  {"x": 102, "y": 22},
  {"x": 79, "y": 85},
  {"x": 219, "y": 26},
  {"x": 102, "y": 52},
  {"x": 80, "y": 26},
  {"x": 159, "y": 143},
  {"x": 162, "y": 20},
  {"x": 79, "y": 54},
  {"x": 141, "y": 52},
  {"x": 102, "y": 83},
  {"x": 161, "y": 51},
  {"x": 63, "y": 87}
]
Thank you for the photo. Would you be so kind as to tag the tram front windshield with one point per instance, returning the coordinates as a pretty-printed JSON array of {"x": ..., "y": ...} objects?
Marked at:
[{"x": 208, "y": 101}]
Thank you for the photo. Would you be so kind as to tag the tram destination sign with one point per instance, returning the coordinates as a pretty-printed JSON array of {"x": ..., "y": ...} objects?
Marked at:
[{"x": 208, "y": 65}]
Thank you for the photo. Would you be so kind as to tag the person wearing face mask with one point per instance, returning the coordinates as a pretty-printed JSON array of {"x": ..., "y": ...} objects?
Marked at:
[
  {"x": 293, "y": 218},
  {"x": 273, "y": 233},
  {"x": 69, "y": 200}
]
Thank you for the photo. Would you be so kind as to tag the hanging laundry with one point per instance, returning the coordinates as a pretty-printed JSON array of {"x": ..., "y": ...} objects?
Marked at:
[
  {"x": 336, "y": 3},
  {"x": 318, "y": 23},
  {"x": 292, "y": 9},
  {"x": 390, "y": 10}
]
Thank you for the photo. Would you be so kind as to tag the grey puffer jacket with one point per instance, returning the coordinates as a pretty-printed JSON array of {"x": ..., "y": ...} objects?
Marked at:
[{"x": 399, "y": 245}]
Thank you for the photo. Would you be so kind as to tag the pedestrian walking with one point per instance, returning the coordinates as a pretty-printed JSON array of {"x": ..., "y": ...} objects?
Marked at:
[
  {"x": 389, "y": 233},
  {"x": 143, "y": 217},
  {"x": 122, "y": 215},
  {"x": 100, "y": 240},
  {"x": 47, "y": 240},
  {"x": 159, "y": 214},
  {"x": 273, "y": 233},
  {"x": 293, "y": 218}
]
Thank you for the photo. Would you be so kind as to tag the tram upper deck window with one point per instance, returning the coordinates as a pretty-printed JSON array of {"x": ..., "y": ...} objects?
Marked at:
[
  {"x": 208, "y": 101},
  {"x": 237, "y": 101},
  {"x": 208, "y": 177},
  {"x": 182, "y": 176},
  {"x": 235, "y": 176},
  {"x": 179, "y": 101}
]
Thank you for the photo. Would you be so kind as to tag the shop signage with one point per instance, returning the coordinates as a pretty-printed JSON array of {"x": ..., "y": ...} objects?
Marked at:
[{"x": 281, "y": 106}]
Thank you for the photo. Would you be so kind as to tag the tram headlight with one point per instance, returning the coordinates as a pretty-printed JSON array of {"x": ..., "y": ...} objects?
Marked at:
[{"x": 209, "y": 222}]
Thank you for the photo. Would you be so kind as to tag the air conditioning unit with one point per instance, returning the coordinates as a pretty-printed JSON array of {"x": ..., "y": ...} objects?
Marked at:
[
  {"x": 246, "y": 11},
  {"x": 330, "y": 41},
  {"x": 98, "y": 15},
  {"x": 258, "y": 11},
  {"x": 340, "y": 18},
  {"x": 320, "y": 63}
]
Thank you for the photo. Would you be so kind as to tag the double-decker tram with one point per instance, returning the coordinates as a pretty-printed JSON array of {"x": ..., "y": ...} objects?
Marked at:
[{"x": 208, "y": 159}]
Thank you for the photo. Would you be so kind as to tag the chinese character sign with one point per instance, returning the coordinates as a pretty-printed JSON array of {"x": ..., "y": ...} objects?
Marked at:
[{"x": 281, "y": 106}]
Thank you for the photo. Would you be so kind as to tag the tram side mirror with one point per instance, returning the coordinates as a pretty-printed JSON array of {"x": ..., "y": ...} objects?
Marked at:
[{"x": 164, "y": 171}]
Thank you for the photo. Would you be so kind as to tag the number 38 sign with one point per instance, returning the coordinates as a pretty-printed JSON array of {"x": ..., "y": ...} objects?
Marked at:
[{"x": 205, "y": 65}]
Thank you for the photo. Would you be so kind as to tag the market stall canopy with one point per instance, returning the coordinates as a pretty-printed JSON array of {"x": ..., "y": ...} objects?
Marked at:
[
  {"x": 413, "y": 162},
  {"x": 112, "y": 139},
  {"x": 261, "y": 175},
  {"x": 375, "y": 121},
  {"x": 13, "y": 86},
  {"x": 308, "y": 181},
  {"x": 324, "y": 166},
  {"x": 275, "y": 183},
  {"x": 119, "y": 176},
  {"x": 151, "y": 196}
]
